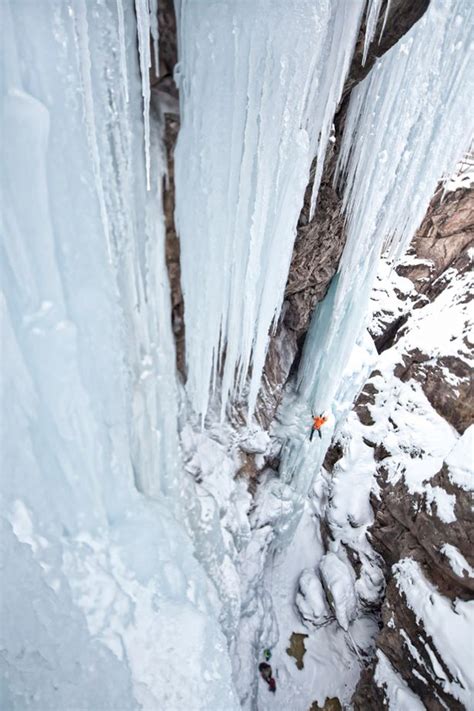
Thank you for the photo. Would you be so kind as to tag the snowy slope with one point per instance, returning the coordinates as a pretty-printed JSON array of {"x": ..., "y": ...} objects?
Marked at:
[{"x": 394, "y": 491}]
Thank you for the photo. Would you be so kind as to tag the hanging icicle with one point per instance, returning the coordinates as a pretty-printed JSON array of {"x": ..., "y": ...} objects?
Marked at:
[
  {"x": 143, "y": 31},
  {"x": 408, "y": 124},
  {"x": 259, "y": 85}
]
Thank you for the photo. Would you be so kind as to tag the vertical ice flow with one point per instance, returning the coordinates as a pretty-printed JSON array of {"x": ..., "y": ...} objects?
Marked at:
[
  {"x": 90, "y": 507},
  {"x": 84, "y": 60},
  {"x": 373, "y": 11},
  {"x": 154, "y": 29},
  {"x": 143, "y": 31},
  {"x": 123, "y": 48},
  {"x": 408, "y": 124},
  {"x": 259, "y": 84}
]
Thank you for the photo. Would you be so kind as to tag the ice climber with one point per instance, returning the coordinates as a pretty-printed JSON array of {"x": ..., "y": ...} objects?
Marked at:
[
  {"x": 318, "y": 422},
  {"x": 266, "y": 672}
]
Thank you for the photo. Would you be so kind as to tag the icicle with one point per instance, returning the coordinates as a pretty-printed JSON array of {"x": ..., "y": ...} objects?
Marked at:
[
  {"x": 123, "y": 48},
  {"x": 385, "y": 17},
  {"x": 143, "y": 30},
  {"x": 373, "y": 11},
  {"x": 407, "y": 125},
  {"x": 346, "y": 20},
  {"x": 155, "y": 35},
  {"x": 82, "y": 40},
  {"x": 257, "y": 103}
]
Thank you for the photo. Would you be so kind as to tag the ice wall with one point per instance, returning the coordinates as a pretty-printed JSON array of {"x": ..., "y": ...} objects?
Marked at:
[
  {"x": 408, "y": 124},
  {"x": 259, "y": 85},
  {"x": 102, "y": 598}
]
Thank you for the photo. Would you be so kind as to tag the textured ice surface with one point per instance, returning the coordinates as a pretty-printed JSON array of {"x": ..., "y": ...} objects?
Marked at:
[
  {"x": 259, "y": 84},
  {"x": 408, "y": 124},
  {"x": 102, "y": 598}
]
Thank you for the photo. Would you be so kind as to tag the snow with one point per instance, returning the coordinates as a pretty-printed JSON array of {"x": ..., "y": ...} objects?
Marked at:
[
  {"x": 399, "y": 695},
  {"x": 454, "y": 319},
  {"x": 449, "y": 626},
  {"x": 311, "y": 599},
  {"x": 331, "y": 663},
  {"x": 444, "y": 503},
  {"x": 339, "y": 581},
  {"x": 259, "y": 85},
  {"x": 457, "y": 561},
  {"x": 463, "y": 176},
  {"x": 392, "y": 296},
  {"x": 460, "y": 461}
]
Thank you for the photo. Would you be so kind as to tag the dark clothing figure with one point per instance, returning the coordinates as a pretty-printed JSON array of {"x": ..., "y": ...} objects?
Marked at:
[{"x": 266, "y": 672}]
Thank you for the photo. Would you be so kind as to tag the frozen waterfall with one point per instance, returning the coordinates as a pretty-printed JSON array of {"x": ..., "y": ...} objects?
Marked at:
[
  {"x": 408, "y": 124},
  {"x": 259, "y": 85},
  {"x": 98, "y": 579},
  {"x": 119, "y": 589}
]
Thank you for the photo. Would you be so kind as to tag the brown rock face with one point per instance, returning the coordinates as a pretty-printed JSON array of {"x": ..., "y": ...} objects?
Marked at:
[
  {"x": 332, "y": 704},
  {"x": 453, "y": 402},
  {"x": 443, "y": 243},
  {"x": 172, "y": 250},
  {"x": 408, "y": 525},
  {"x": 445, "y": 236},
  {"x": 420, "y": 535},
  {"x": 318, "y": 247}
]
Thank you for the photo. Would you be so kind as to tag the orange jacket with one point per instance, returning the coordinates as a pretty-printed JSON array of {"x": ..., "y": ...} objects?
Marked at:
[{"x": 318, "y": 422}]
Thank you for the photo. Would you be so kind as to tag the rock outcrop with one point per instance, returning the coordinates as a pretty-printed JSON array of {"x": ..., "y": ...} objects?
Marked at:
[{"x": 423, "y": 527}]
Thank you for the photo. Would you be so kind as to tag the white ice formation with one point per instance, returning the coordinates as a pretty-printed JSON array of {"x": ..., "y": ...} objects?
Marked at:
[
  {"x": 92, "y": 491},
  {"x": 99, "y": 579},
  {"x": 259, "y": 85},
  {"x": 408, "y": 124}
]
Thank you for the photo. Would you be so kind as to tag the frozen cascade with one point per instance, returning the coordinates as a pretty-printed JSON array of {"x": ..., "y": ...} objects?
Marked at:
[
  {"x": 90, "y": 460},
  {"x": 408, "y": 124},
  {"x": 154, "y": 30},
  {"x": 257, "y": 102},
  {"x": 144, "y": 29},
  {"x": 373, "y": 11},
  {"x": 123, "y": 49}
]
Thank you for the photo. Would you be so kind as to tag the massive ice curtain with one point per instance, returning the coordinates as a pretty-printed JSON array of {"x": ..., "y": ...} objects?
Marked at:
[
  {"x": 140, "y": 522},
  {"x": 408, "y": 124},
  {"x": 259, "y": 85},
  {"x": 98, "y": 580}
]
